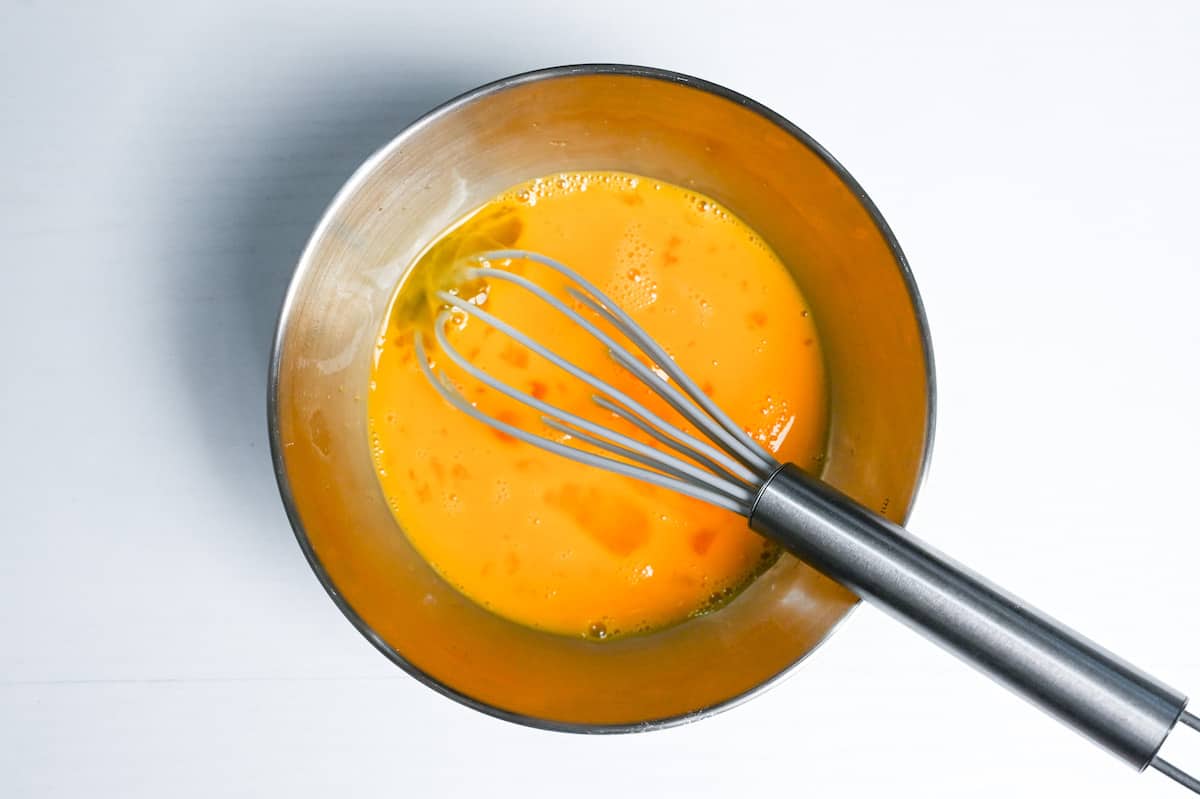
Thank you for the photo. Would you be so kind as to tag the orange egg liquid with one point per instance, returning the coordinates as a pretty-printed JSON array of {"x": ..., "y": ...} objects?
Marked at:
[{"x": 539, "y": 539}]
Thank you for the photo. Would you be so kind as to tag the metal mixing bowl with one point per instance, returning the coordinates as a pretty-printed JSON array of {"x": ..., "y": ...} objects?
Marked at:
[{"x": 595, "y": 117}]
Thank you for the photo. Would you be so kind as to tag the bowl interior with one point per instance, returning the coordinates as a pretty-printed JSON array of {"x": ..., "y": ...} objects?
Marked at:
[{"x": 655, "y": 124}]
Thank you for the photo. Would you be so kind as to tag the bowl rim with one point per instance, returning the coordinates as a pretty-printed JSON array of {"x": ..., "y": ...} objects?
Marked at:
[{"x": 352, "y": 185}]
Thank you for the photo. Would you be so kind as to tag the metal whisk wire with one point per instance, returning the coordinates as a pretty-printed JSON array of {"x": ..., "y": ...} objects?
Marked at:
[{"x": 724, "y": 470}]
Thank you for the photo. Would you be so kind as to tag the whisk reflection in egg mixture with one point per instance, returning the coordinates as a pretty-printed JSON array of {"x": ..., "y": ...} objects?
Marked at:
[{"x": 712, "y": 459}]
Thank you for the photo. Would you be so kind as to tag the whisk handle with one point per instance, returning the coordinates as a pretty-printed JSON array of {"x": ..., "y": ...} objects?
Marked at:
[{"x": 1121, "y": 708}]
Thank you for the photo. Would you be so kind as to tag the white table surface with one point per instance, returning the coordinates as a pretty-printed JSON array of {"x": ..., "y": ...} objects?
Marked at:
[{"x": 160, "y": 633}]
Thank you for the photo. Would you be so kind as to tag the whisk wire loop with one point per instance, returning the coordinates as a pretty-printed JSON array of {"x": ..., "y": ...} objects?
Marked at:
[{"x": 722, "y": 465}]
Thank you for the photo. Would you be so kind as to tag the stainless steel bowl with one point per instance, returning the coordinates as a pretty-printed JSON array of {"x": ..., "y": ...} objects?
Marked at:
[{"x": 636, "y": 119}]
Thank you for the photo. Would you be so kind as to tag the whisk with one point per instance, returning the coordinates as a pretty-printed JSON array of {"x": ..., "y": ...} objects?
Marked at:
[{"x": 1119, "y": 707}]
